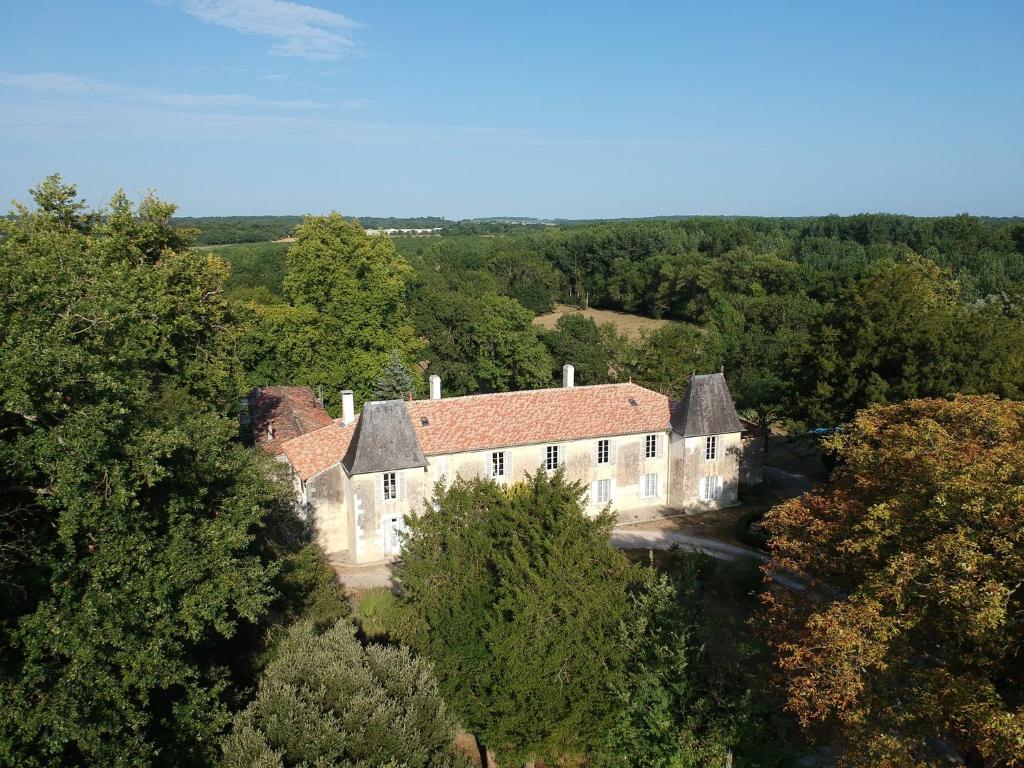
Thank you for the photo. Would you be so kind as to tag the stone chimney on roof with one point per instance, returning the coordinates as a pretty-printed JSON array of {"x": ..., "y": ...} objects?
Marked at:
[
  {"x": 435, "y": 387},
  {"x": 568, "y": 376},
  {"x": 348, "y": 407}
]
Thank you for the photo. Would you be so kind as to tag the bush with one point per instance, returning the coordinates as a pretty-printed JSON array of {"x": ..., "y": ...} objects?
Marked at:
[{"x": 328, "y": 701}]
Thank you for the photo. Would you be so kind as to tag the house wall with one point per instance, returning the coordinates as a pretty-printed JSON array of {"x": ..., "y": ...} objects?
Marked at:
[
  {"x": 580, "y": 460},
  {"x": 369, "y": 510},
  {"x": 350, "y": 513},
  {"x": 326, "y": 509},
  {"x": 689, "y": 465}
]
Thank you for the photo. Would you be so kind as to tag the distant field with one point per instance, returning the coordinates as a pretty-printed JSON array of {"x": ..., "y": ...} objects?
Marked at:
[{"x": 629, "y": 325}]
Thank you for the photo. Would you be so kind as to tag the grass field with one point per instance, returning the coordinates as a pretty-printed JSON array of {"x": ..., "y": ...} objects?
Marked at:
[{"x": 629, "y": 325}]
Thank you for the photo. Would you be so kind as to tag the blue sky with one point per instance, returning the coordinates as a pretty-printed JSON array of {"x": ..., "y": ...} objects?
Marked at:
[{"x": 554, "y": 109}]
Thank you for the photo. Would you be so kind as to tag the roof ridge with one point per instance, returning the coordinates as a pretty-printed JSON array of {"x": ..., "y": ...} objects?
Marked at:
[{"x": 482, "y": 395}]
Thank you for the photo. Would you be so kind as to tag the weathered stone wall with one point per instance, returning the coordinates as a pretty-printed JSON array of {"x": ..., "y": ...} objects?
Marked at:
[
  {"x": 580, "y": 460},
  {"x": 689, "y": 465},
  {"x": 370, "y": 511},
  {"x": 326, "y": 509}
]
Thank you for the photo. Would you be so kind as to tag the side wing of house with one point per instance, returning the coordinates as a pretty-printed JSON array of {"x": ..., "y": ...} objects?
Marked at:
[{"x": 707, "y": 447}]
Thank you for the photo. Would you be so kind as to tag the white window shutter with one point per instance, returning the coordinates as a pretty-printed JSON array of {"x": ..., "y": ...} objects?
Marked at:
[
  {"x": 659, "y": 451},
  {"x": 611, "y": 450},
  {"x": 661, "y": 484},
  {"x": 544, "y": 456},
  {"x": 509, "y": 472},
  {"x": 719, "y": 485},
  {"x": 380, "y": 487},
  {"x": 561, "y": 454},
  {"x": 611, "y": 491},
  {"x": 400, "y": 484},
  {"x": 592, "y": 498}
]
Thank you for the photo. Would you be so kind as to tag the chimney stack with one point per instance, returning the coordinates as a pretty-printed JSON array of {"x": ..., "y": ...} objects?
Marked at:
[
  {"x": 348, "y": 407},
  {"x": 435, "y": 387},
  {"x": 568, "y": 376}
]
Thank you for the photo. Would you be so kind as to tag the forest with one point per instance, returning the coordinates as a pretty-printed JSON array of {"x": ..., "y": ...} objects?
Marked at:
[
  {"x": 163, "y": 605},
  {"x": 812, "y": 319}
]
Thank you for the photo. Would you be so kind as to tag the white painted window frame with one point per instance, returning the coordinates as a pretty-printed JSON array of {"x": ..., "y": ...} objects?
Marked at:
[
  {"x": 499, "y": 462},
  {"x": 710, "y": 447},
  {"x": 389, "y": 486},
  {"x": 711, "y": 488},
  {"x": 649, "y": 485},
  {"x": 549, "y": 451}
]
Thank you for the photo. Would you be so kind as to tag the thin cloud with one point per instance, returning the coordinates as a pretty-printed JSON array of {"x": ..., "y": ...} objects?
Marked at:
[
  {"x": 301, "y": 31},
  {"x": 73, "y": 86}
]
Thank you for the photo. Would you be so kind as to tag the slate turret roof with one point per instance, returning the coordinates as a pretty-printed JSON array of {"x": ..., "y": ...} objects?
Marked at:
[
  {"x": 706, "y": 408},
  {"x": 384, "y": 440}
]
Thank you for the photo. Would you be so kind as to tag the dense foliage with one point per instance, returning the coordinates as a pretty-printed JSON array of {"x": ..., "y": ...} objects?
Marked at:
[
  {"x": 811, "y": 318},
  {"x": 217, "y": 230},
  {"x": 550, "y": 645},
  {"x": 325, "y": 700},
  {"x": 345, "y": 313},
  {"x": 141, "y": 543},
  {"x": 912, "y": 629}
]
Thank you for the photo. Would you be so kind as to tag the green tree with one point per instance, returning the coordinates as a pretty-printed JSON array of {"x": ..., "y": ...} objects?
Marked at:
[
  {"x": 517, "y": 597},
  {"x": 138, "y": 529},
  {"x": 912, "y": 627},
  {"x": 481, "y": 342},
  {"x": 347, "y": 312},
  {"x": 577, "y": 339},
  {"x": 327, "y": 701},
  {"x": 394, "y": 381}
]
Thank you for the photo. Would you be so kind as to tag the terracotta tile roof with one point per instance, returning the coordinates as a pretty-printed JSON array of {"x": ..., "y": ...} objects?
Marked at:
[
  {"x": 477, "y": 422},
  {"x": 312, "y": 453},
  {"x": 293, "y": 411}
]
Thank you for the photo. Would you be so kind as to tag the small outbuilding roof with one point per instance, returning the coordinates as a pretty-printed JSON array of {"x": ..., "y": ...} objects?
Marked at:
[
  {"x": 384, "y": 440},
  {"x": 280, "y": 414},
  {"x": 706, "y": 408}
]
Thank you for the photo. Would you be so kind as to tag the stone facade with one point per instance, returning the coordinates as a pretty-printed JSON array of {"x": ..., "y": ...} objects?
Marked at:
[{"x": 358, "y": 479}]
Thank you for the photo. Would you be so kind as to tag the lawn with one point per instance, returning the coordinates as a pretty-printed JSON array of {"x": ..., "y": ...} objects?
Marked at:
[{"x": 627, "y": 324}]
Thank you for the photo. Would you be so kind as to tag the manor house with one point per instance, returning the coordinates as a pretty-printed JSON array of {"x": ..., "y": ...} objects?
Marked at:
[{"x": 357, "y": 477}]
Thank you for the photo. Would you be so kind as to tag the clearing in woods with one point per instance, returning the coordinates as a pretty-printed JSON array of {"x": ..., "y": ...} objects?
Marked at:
[{"x": 627, "y": 324}]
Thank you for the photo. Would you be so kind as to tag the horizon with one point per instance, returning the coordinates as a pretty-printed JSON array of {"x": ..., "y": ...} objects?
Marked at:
[{"x": 229, "y": 107}]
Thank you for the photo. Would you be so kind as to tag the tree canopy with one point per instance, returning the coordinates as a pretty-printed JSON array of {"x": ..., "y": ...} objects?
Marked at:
[
  {"x": 912, "y": 629},
  {"x": 346, "y": 313},
  {"x": 325, "y": 700},
  {"x": 138, "y": 535}
]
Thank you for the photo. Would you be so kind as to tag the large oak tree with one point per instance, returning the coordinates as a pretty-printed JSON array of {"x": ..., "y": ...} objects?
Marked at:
[{"x": 911, "y": 632}]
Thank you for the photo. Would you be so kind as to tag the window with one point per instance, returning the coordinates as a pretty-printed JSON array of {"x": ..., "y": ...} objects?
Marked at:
[
  {"x": 390, "y": 486},
  {"x": 651, "y": 447},
  {"x": 602, "y": 492},
  {"x": 649, "y": 485},
  {"x": 551, "y": 457},
  {"x": 498, "y": 464},
  {"x": 710, "y": 487},
  {"x": 603, "y": 452},
  {"x": 710, "y": 447}
]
